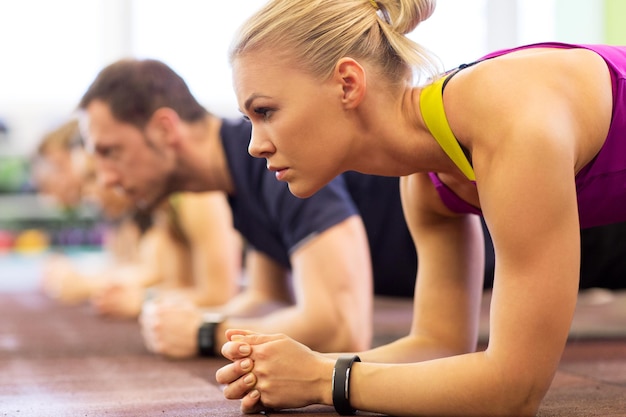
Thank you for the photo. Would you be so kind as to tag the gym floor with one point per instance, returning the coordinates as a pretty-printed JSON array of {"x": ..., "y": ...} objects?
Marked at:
[{"x": 66, "y": 361}]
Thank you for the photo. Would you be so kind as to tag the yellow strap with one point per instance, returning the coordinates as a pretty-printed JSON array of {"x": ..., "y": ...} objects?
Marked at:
[
  {"x": 175, "y": 199},
  {"x": 431, "y": 106}
]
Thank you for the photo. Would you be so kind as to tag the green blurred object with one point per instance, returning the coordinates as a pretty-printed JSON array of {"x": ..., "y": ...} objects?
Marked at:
[
  {"x": 14, "y": 174},
  {"x": 615, "y": 27}
]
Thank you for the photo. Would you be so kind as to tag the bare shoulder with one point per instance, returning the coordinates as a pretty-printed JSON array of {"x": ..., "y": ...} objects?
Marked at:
[
  {"x": 535, "y": 68},
  {"x": 560, "y": 95},
  {"x": 508, "y": 82}
]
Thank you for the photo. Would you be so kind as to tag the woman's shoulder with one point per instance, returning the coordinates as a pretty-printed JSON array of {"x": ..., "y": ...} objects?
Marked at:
[
  {"x": 524, "y": 88},
  {"x": 527, "y": 71}
]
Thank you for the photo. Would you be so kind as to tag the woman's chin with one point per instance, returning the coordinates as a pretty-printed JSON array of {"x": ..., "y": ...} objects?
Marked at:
[{"x": 301, "y": 191}]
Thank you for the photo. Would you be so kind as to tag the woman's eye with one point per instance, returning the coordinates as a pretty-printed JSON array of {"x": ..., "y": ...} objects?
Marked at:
[{"x": 263, "y": 111}]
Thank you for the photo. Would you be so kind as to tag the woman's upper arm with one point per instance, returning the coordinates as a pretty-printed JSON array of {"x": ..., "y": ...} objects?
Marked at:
[
  {"x": 449, "y": 283},
  {"x": 528, "y": 197}
]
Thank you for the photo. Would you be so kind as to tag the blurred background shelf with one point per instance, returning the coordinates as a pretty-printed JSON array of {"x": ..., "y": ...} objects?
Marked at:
[{"x": 30, "y": 223}]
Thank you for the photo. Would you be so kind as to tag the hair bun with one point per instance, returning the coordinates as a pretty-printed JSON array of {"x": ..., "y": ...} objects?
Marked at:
[{"x": 405, "y": 15}]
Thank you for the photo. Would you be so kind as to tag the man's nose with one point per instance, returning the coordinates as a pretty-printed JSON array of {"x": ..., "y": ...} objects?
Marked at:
[{"x": 108, "y": 178}]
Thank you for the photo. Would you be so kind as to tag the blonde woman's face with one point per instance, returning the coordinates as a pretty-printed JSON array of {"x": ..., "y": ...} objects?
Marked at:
[
  {"x": 55, "y": 177},
  {"x": 298, "y": 123},
  {"x": 113, "y": 202}
]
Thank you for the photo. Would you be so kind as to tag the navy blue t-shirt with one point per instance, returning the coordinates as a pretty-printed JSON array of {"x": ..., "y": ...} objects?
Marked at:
[
  {"x": 270, "y": 218},
  {"x": 394, "y": 259}
]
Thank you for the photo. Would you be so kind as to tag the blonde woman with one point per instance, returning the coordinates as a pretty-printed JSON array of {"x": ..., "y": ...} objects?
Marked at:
[{"x": 531, "y": 138}]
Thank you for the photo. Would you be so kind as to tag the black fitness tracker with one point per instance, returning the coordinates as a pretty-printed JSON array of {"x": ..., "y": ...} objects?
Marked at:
[
  {"x": 207, "y": 334},
  {"x": 341, "y": 384}
]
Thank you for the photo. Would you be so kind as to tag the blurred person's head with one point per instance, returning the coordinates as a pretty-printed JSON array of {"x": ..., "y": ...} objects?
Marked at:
[
  {"x": 53, "y": 170},
  {"x": 64, "y": 171},
  {"x": 111, "y": 202},
  {"x": 136, "y": 113}
]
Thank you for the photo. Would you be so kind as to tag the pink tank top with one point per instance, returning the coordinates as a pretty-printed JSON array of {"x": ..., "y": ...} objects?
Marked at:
[{"x": 601, "y": 184}]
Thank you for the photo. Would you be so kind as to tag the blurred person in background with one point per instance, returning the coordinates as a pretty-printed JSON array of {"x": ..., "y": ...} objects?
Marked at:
[
  {"x": 308, "y": 270},
  {"x": 174, "y": 249}
]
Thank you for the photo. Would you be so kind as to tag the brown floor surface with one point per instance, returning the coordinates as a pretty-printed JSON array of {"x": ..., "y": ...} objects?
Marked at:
[{"x": 65, "y": 361}]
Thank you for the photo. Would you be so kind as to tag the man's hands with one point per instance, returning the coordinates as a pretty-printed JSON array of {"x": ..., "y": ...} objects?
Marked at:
[
  {"x": 118, "y": 300},
  {"x": 170, "y": 327},
  {"x": 61, "y": 281}
]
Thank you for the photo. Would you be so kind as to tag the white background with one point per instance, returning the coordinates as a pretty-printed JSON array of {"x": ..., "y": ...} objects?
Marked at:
[{"x": 50, "y": 50}]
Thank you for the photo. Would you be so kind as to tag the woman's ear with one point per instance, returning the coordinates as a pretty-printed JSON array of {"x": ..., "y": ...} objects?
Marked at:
[
  {"x": 163, "y": 126},
  {"x": 351, "y": 75}
]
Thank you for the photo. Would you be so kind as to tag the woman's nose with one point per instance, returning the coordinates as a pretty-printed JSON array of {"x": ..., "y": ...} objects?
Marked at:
[{"x": 260, "y": 146}]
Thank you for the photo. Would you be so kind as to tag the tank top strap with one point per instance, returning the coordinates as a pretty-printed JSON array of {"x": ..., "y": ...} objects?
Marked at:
[
  {"x": 172, "y": 210},
  {"x": 433, "y": 113}
]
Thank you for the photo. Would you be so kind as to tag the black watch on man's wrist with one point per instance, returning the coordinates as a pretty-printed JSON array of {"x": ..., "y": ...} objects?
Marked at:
[{"x": 207, "y": 339}]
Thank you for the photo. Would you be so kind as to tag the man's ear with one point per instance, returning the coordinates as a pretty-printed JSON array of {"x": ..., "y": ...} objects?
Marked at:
[
  {"x": 163, "y": 126},
  {"x": 351, "y": 76}
]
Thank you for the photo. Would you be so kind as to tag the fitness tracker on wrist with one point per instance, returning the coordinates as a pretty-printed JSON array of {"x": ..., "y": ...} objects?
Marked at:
[
  {"x": 207, "y": 339},
  {"x": 341, "y": 384}
]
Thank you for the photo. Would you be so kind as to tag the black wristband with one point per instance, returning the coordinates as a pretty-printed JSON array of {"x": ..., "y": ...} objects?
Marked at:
[
  {"x": 341, "y": 384},
  {"x": 206, "y": 339}
]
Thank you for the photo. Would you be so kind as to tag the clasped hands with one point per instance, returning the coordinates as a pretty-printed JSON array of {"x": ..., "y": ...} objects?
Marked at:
[{"x": 273, "y": 372}]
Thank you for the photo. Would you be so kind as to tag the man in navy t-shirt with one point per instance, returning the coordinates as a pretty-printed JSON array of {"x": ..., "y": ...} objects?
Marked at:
[{"x": 308, "y": 268}]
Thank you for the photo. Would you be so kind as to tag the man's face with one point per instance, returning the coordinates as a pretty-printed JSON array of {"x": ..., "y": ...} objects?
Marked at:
[{"x": 126, "y": 158}]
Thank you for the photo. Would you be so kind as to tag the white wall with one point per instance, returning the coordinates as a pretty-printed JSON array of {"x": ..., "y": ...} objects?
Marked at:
[{"x": 50, "y": 50}]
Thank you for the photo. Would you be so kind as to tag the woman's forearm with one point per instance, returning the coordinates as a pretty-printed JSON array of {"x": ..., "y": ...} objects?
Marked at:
[
  {"x": 407, "y": 349},
  {"x": 465, "y": 385}
]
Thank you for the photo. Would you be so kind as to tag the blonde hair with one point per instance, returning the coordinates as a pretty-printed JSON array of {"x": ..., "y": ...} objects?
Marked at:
[
  {"x": 63, "y": 137},
  {"x": 315, "y": 34}
]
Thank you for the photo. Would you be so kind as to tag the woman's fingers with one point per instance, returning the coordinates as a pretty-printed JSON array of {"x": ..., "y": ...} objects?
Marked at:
[
  {"x": 238, "y": 379},
  {"x": 251, "y": 403},
  {"x": 232, "y": 372},
  {"x": 236, "y": 350}
]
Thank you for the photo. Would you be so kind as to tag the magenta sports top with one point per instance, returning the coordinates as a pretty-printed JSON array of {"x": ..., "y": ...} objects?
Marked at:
[{"x": 601, "y": 184}]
